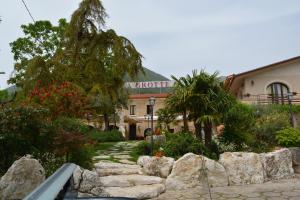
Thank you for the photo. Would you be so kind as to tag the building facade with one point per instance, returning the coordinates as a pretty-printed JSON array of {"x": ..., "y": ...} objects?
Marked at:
[
  {"x": 275, "y": 83},
  {"x": 136, "y": 121}
]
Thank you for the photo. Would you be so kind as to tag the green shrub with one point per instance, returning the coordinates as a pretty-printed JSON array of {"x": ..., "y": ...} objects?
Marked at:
[
  {"x": 143, "y": 148},
  {"x": 288, "y": 137},
  {"x": 71, "y": 125},
  {"x": 239, "y": 122},
  {"x": 23, "y": 130},
  {"x": 181, "y": 143},
  {"x": 49, "y": 161},
  {"x": 268, "y": 122},
  {"x": 83, "y": 157},
  {"x": 106, "y": 136}
]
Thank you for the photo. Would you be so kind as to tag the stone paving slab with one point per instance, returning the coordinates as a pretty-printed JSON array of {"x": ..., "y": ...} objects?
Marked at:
[{"x": 288, "y": 189}]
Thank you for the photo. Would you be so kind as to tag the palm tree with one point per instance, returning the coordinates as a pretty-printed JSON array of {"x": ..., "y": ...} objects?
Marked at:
[
  {"x": 179, "y": 98},
  {"x": 207, "y": 103}
]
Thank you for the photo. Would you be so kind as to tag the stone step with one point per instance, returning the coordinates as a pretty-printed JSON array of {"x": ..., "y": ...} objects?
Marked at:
[
  {"x": 130, "y": 180},
  {"x": 108, "y": 169},
  {"x": 139, "y": 192}
]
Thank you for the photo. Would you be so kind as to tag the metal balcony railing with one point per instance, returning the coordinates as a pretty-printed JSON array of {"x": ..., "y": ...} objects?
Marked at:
[
  {"x": 59, "y": 186},
  {"x": 270, "y": 99}
]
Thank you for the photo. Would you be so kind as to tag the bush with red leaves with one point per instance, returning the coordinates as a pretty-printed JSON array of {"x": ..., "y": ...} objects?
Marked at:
[{"x": 64, "y": 99}]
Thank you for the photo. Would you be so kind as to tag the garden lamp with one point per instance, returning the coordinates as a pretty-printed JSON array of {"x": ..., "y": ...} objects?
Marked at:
[{"x": 152, "y": 103}]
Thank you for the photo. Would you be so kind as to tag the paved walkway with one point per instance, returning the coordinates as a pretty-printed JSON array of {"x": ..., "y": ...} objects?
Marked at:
[
  {"x": 275, "y": 190},
  {"x": 119, "y": 152}
]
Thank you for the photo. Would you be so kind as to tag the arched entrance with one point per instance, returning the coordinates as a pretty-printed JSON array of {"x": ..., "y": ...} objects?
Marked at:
[{"x": 278, "y": 92}]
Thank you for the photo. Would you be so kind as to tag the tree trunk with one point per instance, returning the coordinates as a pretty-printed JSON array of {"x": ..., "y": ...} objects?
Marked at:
[
  {"x": 106, "y": 122},
  {"x": 185, "y": 122},
  {"x": 198, "y": 130},
  {"x": 208, "y": 134}
]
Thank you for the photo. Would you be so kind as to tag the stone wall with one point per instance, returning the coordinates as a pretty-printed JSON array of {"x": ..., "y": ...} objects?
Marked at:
[{"x": 233, "y": 168}]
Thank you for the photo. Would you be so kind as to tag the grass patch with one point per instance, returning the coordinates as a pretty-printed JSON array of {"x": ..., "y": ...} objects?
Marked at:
[
  {"x": 104, "y": 146},
  {"x": 106, "y": 136}
]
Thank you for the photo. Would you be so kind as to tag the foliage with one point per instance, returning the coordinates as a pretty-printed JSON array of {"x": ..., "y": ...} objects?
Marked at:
[
  {"x": 181, "y": 143},
  {"x": 288, "y": 137},
  {"x": 144, "y": 148},
  {"x": 165, "y": 117},
  {"x": 50, "y": 161},
  {"x": 268, "y": 121},
  {"x": 3, "y": 95},
  {"x": 24, "y": 130},
  {"x": 106, "y": 136},
  {"x": 72, "y": 141},
  {"x": 71, "y": 125},
  {"x": 203, "y": 98},
  {"x": 83, "y": 156},
  {"x": 32, "y": 53},
  {"x": 178, "y": 100},
  {"x": 106, "y": 105},
  {"x": 28, "y": 129},
  {"x": 65, "y": 99},
  {"x": 239, "y": 122}
]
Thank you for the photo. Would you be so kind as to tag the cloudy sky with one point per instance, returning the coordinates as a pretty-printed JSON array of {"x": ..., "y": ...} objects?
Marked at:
[{"x": 177, "y": 36}]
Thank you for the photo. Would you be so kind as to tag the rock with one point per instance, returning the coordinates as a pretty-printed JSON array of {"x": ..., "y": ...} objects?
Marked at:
[
  {"x": 295, "y": 155},
  {"x": 130, "y": 180},
  {"x": 188, "y": 172},
  {"x": 88, "y": 182},
  {"x": 107, "y": 169},
  {"x": 139, "y": 192},
  {"x": 277, "y": 164},
  {"x": 156, "y": 166},
  {"x": 242, "y": 168},
  {"x": 21, "y": 178}
]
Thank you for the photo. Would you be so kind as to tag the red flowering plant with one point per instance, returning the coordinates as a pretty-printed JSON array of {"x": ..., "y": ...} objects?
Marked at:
[
  {"x": 66, "y": 103},
  {"x": 62, "y": 99}
]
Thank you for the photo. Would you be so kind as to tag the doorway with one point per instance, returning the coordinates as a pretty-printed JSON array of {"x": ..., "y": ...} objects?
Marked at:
[{"x": 132, "y": 131}]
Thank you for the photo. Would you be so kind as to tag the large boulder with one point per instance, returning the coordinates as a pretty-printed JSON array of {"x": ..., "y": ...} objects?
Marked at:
[
  {"x": 156, "y": 166},
  {"x": 21, "y": 178},
  {"x": 277, "y": 164},
  {"x": 295, "y": 155},
  {"x": 193, "y": 170},
  {"x": 88, "y": 182},
  {"x": 242, "y": 168},
  {"x": 296, "y": 158}
]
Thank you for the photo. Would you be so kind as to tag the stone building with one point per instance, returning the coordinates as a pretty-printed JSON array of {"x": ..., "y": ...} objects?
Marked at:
[{"x": 136, "y": 120}]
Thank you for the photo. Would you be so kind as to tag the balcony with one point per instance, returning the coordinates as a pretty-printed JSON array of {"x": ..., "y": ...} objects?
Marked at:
[{"x": 270, "y": 99}]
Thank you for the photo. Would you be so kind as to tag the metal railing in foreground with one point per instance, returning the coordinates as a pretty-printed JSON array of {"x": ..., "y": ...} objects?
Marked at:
[{"x": 60, "y": 186}]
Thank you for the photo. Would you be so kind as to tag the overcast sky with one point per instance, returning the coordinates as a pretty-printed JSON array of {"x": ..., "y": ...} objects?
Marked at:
[{"x": 177, "y": 36}]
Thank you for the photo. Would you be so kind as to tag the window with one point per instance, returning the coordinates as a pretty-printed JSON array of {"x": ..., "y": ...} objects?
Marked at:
[
  {"x": 132, "y": 109},
  {"x": 148, "y": 110},
  {"x": 278, "y": 92}
]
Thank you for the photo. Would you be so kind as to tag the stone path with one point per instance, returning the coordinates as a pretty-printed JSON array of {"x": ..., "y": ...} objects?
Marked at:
[
  {"x": 288, "y": 189},
  {"x": 119, "y": 152}
]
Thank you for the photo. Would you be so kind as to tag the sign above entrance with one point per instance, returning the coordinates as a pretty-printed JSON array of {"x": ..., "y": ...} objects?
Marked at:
[{"x": 150, "y": 84}]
